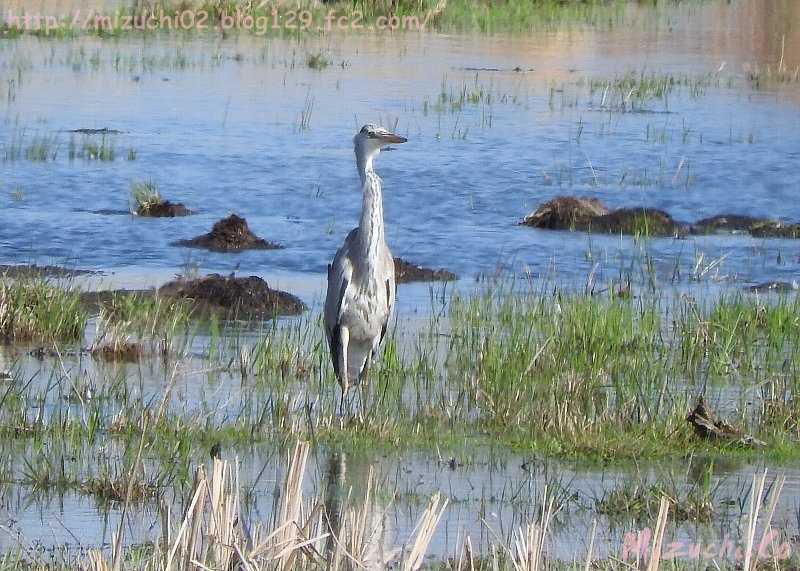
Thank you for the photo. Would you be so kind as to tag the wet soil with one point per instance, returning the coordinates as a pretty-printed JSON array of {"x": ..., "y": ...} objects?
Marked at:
[
  {"x": 231, "y": 234},
  {"x": 773, "y": 229},
  {"x": 235, "y": 297},
  {"x": 634, "y": 221},
  {"x": 591, "y": 215},
  {"x": 734, "y": 223},
  {"x": 566, "y": 213},
  {"x": 406, "y": 272},
  {"x": 164, "y": 209},
  {"x": 228, "y": 297},
  {"x": 35, "y": 271}
]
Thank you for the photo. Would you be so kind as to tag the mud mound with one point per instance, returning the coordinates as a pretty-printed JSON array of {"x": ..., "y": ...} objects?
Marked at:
[
  {"x": 566, "y": 213},
  {"x": 230, "y": 234},
  {"x": 774, "y": 229},
  {"x": 638, "y": 221},
  {"x": 727, "y": 223},
  {"x": 591, "y": 215},
  {"x": 405, "y": 272},
  {"x": 34, "y": 271},
  {"x": 234, "y": 296},
  {"x": 163, "y": 209}
]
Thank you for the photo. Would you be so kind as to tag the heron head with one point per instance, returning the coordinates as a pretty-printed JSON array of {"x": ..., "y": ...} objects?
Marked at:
[{"x": 373, "y": 138}]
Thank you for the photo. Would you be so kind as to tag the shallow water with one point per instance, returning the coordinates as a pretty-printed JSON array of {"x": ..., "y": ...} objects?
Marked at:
[
  {"x": 223, "y": 135},
  {"x": 490, "y": 495},
  {"x": 216, "y": 123}
]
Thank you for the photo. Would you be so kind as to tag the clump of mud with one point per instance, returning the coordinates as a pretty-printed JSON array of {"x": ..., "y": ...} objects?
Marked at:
[
  {"x": 775, "y": 229},
  {"x": 591, "y": 215},
  {"x": 34, "y": 271},
  {"x": 234, "y": 297},
  {"x": 706, "y": 425},
  {"x": 405, "y": 272},
  {"x": 163, "y": 209},
  {"x": 231, "y": 234},
  {"x": 566, "y": 213},
  {"x": 638, "y": 221},
  {"x": 126, "y": 352},
  {"x": 733, "y": 223}
]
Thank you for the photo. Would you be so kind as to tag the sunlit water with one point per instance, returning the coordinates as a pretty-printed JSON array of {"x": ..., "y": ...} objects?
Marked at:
[{"x": 218, "y": 124}]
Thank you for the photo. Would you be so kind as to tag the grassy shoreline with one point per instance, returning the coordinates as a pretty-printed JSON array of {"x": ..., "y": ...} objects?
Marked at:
[{"x": 603, "y": 378}]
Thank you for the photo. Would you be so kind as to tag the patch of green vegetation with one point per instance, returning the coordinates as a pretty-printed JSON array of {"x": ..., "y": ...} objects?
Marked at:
[
  {"x": 92, "y": 150},
  {"x": 632, "y": 90},
  {"x": 639, "y": 499},
  {"x": 42, "y": 149},
  {"x": 317, "y": 61},
  {"x": 130, "y": 326},
  {"x": 34, "y": 310},
  {"x": 144, "y": 197}
]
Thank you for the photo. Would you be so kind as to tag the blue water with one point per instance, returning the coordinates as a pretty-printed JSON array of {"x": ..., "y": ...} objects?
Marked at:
[{"x": 224, "y": 136}]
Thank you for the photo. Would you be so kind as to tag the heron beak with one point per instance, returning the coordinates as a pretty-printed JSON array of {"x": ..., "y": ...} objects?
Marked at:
[{"x": 392, "y": 138}]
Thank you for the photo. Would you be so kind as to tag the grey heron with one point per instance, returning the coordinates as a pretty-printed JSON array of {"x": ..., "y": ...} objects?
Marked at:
[{"x": 361, "y": 285}]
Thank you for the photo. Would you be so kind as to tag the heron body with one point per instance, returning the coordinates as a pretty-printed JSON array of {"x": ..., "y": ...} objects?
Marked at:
[{"x": 361, "y": 284}]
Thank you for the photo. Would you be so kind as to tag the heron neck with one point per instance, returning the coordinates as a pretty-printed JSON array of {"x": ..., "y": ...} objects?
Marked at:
[{"x": 370, "y": 228}]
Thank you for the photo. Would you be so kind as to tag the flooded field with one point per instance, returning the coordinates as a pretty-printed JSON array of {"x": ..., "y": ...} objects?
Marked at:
[{"x": 542, "y": 393}]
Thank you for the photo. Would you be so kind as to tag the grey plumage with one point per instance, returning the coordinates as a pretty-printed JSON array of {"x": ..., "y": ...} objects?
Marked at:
[{"x": 361, "y": 284}]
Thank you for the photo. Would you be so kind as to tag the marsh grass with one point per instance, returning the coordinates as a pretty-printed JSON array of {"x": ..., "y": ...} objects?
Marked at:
[
  {"x": 90, "y": 149},
  {"x": 303, "y": 534},
  {"x": 631, "y": 91},
  {"x": 35, "y": 310},
  {"x": 144, "y": 197},
  {"x": 317, "y": 61},
  {"x": 42, "y": 148},
  {"x": 640, "y": 499},
  {"x": 130, "y": 326}
]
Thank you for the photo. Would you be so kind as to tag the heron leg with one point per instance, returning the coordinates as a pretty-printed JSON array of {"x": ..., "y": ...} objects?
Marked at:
[
  {"x": 362, "y": 385},
  {"x": 344, "y": 341}
]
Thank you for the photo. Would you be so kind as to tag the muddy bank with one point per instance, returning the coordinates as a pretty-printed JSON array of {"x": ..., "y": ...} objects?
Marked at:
[
  {"x": 35, "y": 271},
  {"x": 239, "y": 297},
  {"x": 231, "y": 234},
  {"x": 163, "y": 209},
  {"x": 227, "y": 297},
  {"x": 732, "y": 223},
  {"x": 406, "y": 272},
  {"x": 566, "y": 213},
  {"x": 591, "y": 215},
  {"x": 775, "y": 229}
]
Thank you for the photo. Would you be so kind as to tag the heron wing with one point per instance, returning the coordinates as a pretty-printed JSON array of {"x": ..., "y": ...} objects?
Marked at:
[
  {"x": 388, "y": 273},
  {"x": 340, "y": 274}
]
